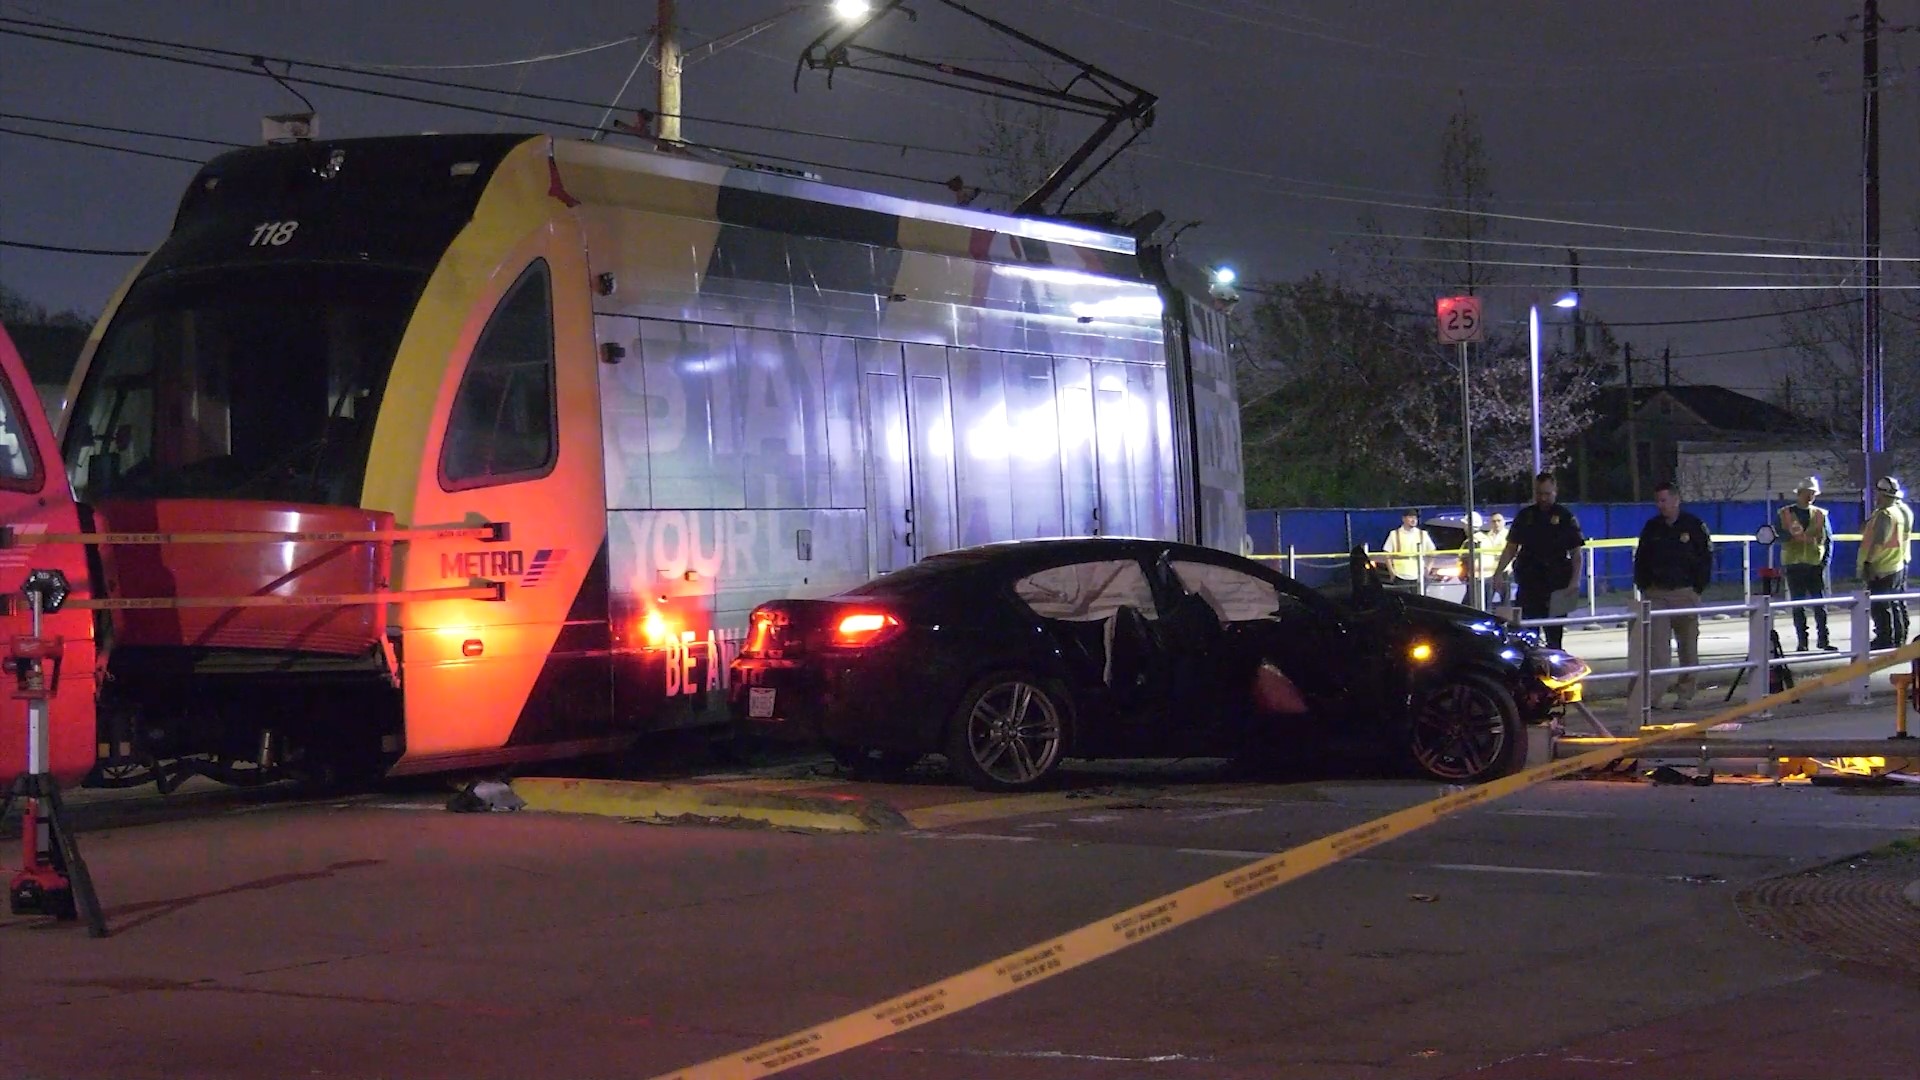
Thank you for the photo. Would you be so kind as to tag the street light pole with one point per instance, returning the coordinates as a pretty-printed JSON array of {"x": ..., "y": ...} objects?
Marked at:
[
  {"x": 1533, "y": 357},
  {"x": 1472, "y": 565}
]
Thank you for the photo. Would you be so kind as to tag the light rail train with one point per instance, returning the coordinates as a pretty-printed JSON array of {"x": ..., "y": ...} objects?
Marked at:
[{"x": 670, "y": 389}]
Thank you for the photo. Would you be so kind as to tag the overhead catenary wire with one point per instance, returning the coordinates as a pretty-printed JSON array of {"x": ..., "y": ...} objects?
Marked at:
[
  {"x": 144, "y": 133},
  {"x": 1607, "y": 249},
  {"x": 542, "y": 58},
  {"x": 444, "y": 84},
  {"x": 890, "y": 144},
  {"x": 1532, "y": 78},
  {"x": 97, "y": 145},
  {"x": 1605, "y": 268},
  {"x": 393, "y": 95},
  {"x": 1637, "y": 66},
  {"x": 62, "y": 249}
]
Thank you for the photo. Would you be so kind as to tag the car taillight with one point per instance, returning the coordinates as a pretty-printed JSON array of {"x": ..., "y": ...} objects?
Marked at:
[
  {"x": 859, "y": 629},
  {"x": 763, "y": 635}
]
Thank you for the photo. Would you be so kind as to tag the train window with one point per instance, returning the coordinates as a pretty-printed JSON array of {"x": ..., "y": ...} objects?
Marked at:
[
  {"x": 240, "y": 383},
  {"x": 502, "y": 426},
  {"x": 19, "y": 465}
]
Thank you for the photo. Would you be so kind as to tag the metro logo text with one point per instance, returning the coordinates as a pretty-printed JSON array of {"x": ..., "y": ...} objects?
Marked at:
[{"x": 483, "y": 564}]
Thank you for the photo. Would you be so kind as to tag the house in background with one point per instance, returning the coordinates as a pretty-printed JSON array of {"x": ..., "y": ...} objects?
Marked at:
[{"x": 1717, "y": 443}]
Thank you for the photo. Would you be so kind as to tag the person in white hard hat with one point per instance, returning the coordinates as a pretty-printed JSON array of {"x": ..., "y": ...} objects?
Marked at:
[
  {"x": 1885, "y": 542},
  {"x": 1805, "y": 553}
]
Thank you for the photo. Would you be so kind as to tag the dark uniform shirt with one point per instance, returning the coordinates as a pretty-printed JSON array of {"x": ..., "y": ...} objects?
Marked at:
[
  {"x": 1547, "y": 540},
  {"x": 1676, "y": 556}
]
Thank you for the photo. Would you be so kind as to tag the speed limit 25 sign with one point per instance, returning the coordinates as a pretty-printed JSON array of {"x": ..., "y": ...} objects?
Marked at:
[{"x": 1460, "y": 319}]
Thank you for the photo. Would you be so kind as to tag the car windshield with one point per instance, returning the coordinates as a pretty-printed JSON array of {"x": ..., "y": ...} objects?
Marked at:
[{"x": 240, "y": 383}]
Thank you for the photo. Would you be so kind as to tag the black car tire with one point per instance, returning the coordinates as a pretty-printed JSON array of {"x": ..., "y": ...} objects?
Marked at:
[
  {"x": 1009, "y": 732},
  {"x": 1466, "y": 730},
  {"x": 864, "y": 764}
]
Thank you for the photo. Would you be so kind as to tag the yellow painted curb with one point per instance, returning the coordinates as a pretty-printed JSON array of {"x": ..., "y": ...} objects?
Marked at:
[{"x": 635, "y": 799}]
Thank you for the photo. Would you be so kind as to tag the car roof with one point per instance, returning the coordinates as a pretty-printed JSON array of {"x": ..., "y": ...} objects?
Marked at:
[
  {"x": 1068, "y": 547},
  {"x": 1055, "y": 550}
]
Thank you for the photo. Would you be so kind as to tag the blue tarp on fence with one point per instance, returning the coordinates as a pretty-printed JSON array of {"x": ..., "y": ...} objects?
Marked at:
[{"x": 1328, "y": 532}]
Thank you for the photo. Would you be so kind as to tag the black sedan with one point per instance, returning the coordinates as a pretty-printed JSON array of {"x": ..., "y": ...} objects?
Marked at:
[{"x": 1011, "y": 657}]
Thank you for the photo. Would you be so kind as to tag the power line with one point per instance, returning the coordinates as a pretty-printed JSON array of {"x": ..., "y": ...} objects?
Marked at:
[
  {"x": 97, "y": 145},
  {"x": 1270, "y": 290},
  {"x": 1753, "y": 349},
  {"x": 1629, "y": 66},
  {"x": 1610, "y": 249},
  {"x": 479, "y": 109},
  {"x": 119, "y": 130},
  {"x": 541, "y": 59},
  {"x": 1604, "y": 267},
  {"x": 1527, "y": 75},
  {"x": 1742, "y": 318},
  {"x": 1491, "y": 215},
  {"x": 258, "y": 62},
  {"x": 69, "y": 250}
]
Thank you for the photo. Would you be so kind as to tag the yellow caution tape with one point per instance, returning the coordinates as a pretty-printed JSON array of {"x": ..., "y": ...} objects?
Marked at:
[
  {"x": 490, "y": 590},
  {"x": 1002, "y": 976},
  {"x": 12, "y": 537}
]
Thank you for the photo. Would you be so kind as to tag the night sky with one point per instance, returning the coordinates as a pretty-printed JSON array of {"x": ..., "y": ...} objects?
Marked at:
[{"x": 1704, "y": 116}]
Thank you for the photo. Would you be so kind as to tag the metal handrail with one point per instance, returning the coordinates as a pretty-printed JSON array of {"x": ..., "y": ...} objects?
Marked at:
[{"x": 1761, "y": 610}]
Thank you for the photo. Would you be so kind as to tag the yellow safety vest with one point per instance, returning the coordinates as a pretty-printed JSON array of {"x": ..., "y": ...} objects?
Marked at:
[
  {"x": 1491, "y": 545},
  {"x": 1805, "y": 550},
  {"x": 1885, "y": 560},
  {"x": 1406, "y": 565}
]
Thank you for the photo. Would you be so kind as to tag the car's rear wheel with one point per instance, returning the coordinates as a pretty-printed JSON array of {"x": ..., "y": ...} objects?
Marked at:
[
  {"x": 1466, "y": 730},
  {"x": 1009, "y": 732}
]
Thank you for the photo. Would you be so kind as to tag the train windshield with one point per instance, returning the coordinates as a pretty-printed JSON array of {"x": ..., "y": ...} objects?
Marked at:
[{"x": 256, "y": 383}]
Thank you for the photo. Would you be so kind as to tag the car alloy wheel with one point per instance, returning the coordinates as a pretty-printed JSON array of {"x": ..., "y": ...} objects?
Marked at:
[
  {"x": 1009, "y": 734},
  {"x": 1466, "y": 730}
]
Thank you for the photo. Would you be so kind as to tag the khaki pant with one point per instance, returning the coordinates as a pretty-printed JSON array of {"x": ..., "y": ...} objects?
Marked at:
[{"x": 1684, "y": 629}]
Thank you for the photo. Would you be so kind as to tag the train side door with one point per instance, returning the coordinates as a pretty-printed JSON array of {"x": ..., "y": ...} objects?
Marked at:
[
  {"x": 910, "y": 479},
  {"x": 35, "y": 497}
]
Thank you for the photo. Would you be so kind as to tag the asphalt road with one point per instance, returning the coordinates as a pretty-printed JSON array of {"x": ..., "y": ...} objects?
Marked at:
[{"x": 1580, "y": 930}]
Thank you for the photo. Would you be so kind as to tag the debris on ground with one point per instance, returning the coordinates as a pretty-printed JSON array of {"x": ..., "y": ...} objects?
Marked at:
[
  {"x": 1667, "y": 774},
  {"x": 1698, "y": 879},
  {"x": 486, "y": 796}
]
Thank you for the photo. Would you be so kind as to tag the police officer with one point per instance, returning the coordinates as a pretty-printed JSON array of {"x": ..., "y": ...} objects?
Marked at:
[
  {"x": 1540, "y": 548},
  {"x": 1885, "y": 543},
  {"x": 1671, "y": 567},
  {"x": 1805, "y": 555}
]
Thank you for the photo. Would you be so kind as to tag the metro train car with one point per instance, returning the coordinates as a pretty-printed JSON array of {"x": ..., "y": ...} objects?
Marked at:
[{"x": 672, "y": 389}]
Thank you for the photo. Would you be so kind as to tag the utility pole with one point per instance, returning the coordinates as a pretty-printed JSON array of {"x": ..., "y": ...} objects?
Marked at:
[
  {"x": 1872, "y": 400},
  {"x": 1633, "y": 438},
  {"x": 669, "y": 74},
  {"x": 1666, "y": 368}
]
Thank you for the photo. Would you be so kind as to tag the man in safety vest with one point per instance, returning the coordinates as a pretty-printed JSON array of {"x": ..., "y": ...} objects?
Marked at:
[
  {"x": 1805, "y": 555},
  {"x": 1492, "y": 543},
  {"x": 1406, "y": 544},
  {"x": 1884, "y": 546}
]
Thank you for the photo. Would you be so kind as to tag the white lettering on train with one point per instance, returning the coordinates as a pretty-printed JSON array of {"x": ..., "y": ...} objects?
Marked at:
[{"x": 685, "y": 673}]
